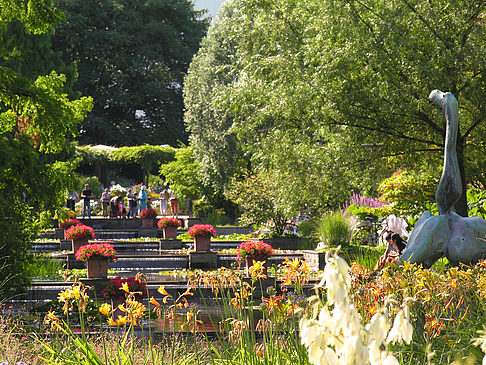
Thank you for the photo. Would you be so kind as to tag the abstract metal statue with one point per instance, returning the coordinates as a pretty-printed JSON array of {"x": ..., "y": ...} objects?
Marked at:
[{"x": 460, "y": 239}]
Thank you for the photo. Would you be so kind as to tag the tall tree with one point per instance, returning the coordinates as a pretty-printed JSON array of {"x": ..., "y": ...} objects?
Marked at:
[
  {"x": 356, "y": 73},
  {"x": 35, "y": 118},
  {"x": 132, "y": 56}
]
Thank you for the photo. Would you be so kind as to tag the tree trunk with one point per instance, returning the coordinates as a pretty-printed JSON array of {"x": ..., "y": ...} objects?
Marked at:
[{"x": 461, "y": 205}]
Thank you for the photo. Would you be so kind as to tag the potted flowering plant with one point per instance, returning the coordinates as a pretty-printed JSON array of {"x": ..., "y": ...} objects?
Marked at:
[
  {"x": 148, "y": 217},
  {"x": 169, "y": 227},
  {"x": 79, "y": 235},
  {"x": 67, "y": 223},
  {"x": 202, "y": 234},
  {"x": 250, "y": 251},
  {"x": 97, "y": 256}
]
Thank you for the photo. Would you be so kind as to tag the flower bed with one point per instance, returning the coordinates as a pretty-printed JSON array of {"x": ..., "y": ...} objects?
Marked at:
[
  {"x": 80, "y": 231},
  {"x": 96, "y": 250},
  {"x": 169, "y": 222},
  {"x": 259, "y": 251},
  {"x": 201, "y": 230}
]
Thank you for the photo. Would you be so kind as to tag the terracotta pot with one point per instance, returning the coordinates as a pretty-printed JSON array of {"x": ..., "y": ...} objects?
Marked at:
[
  {"x": 170, "y": 233},
  {"x": 97, "y": 267},
  {"x": 148, "y": 223},
  {"x": 249, "y": 263},
  {"x": 202, "y": 243},
  {"x": 78, "y": 243}
]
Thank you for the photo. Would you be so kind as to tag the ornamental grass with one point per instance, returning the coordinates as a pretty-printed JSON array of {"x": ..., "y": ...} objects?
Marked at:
[
  {"x": 169, "y": 222},
  {"x": 202, "y": 230},
  {"x": 80, "y": 231},
  {"x": 105, "y": 250}
]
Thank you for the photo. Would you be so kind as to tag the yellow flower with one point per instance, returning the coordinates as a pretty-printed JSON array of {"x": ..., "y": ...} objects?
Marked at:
[
  {"x": 76, "y": 292},
  {"x": 111, "y": 322},
  {"x": 188, "y": 292},
  {"x": 121, "y": 320},
  {"x": 292, "y": 264},
  {"x": 164, "y": 300},
  {"x": 124, "y": 287},
  {"x": 105, "y": 309},
  {"x": 122, "y": 308},
  {"x": 50, "y": 316},
  {"x": 64, "y": 295},
  {"x": 256, "y": 270},
  {"x": 154, "y": 302},
  {"x": 162, "y": 291}
]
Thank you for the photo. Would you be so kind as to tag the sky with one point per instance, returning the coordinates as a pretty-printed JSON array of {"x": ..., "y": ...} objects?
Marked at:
[{"x": 211, "y": 5}]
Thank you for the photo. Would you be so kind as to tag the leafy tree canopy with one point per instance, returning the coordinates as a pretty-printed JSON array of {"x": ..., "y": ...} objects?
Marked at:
[
  {"x": 131, "y": 56},
  {"x": 36, "y": 116},
  {"x": 353, "y": 77}
]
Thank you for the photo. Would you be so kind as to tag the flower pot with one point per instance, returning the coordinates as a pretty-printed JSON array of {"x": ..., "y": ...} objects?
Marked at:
[
  {"x": 170, "y": 233},
  {"x": 148, "y": 223},
  {"x": 77, "y": 243},
  {"x": 97, "y": 267},
  {"x": 249, "y": 263},
  {"x": 202, "y": 243}
]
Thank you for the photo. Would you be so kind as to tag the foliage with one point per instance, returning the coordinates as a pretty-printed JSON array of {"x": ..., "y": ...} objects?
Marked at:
[
  {"x": 114, "y": 288},
  {"x": 94, "y": 185},
  {"x": 182, "y": 174},
  {"x": 201, "y": 230},
  {"x": 260, "y": 196},
  {"x": 333, "y": 102},
  {"x": 335, "y": 228},
  {"x": 148, "y": 213},
  {"x": 217, "y": 152},
  {"x": 169, "y": 222},
  {"x": 131, "y": 58},
  {"x": 476, "y": 202},
  {"x": 67, "y": 223},
  {"x": 409, "y": 191},
  {"x": 258, "y": 251},
  {"x": 202, "y": 208},
  {"x": 217, "y": 218},
  {"x": 36, "y": 117},
  {"x": 105, "y": 250},
  {"x": 80, "y": 231}
]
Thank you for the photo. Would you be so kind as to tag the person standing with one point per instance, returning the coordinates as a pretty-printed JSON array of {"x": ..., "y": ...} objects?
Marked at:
[
  {"x": 164, "y": 198},
  {"x": 142, "y": 199},
  {"x": 86, "y": 194},
  {"x": 71, "y": 200},
  {"x": 173, "y": 203},
  {"x": 132, "y": 204},
  {"x": 105, "y": 201}
]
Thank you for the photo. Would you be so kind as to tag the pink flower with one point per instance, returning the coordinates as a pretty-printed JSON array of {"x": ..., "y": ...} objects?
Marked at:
[
  {"x": 169, "y": 222},
  {"x": 201, "y": 230},
  {"x": 96, "y": 249}
]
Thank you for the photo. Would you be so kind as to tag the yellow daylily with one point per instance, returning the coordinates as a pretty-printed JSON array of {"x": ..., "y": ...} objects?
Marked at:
[
  {"x": 162, "y": 291},
  {"x": 111, "y": 322},
  {"x": 124, "y": 287},
  {"x": 121, "y": 320},
  {"x": 154, "y": 302},
  {"x": 256, "y": 270},
  {"x": 105, "y": 309}
]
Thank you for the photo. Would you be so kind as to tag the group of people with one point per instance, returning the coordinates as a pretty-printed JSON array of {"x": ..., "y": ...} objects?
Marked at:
[
  {"x": 115, "y": 207},
  {"x": 168, "y": 196}
]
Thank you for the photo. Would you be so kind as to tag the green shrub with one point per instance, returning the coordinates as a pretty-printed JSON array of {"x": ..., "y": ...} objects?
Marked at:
[
  {"x": 335, "y": 228},
  {"x": 202, "y": 208},
  {"x": 217, "y": 218},
  {"x": 94, "y": 185}
]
